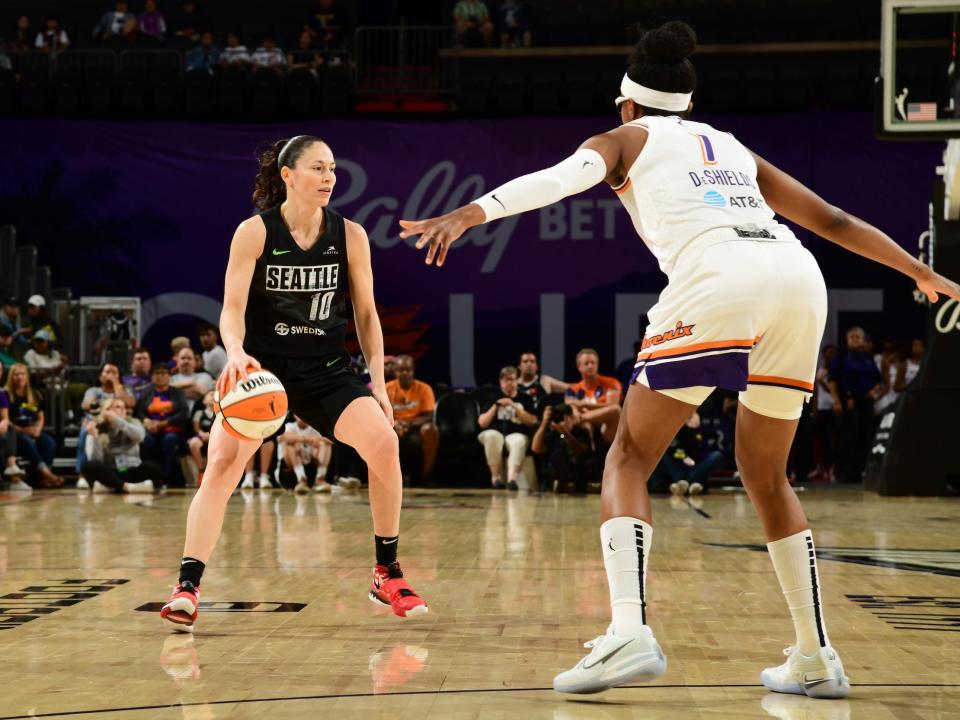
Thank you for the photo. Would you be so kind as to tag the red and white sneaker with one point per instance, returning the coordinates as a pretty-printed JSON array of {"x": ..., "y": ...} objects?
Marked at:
[
  {"x": 396, "y": 593},
  {"x": 182, "y": 608}
]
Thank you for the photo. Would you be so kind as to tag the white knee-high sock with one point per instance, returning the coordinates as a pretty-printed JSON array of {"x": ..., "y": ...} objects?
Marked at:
[
  {"x": 795, "y": 562},
  {"x": 626, "y": 547}
]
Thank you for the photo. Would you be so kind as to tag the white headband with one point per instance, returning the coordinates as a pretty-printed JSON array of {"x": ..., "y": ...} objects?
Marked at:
[{"x": 630, "y": 90}]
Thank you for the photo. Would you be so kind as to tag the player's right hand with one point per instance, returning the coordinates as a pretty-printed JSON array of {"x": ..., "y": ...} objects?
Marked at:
[
  {"x": 238, "y": 363},
  {"x": 936, "y": 283}
]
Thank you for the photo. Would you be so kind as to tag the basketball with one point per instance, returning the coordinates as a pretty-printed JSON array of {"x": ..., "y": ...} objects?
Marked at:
[{"x": 255, "y": 408}]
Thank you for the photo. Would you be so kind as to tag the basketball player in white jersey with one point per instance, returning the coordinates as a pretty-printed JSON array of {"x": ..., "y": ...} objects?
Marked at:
[{"x": 744, "y": 309}]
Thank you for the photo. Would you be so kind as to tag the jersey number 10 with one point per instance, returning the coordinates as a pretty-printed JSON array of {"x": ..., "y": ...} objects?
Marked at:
[{"x": 320, "y": 306}]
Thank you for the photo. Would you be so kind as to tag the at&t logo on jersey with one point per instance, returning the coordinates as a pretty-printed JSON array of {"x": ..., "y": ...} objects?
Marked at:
[
  {"x": 714, "y": 199},
  {"x": 282, "y": 329}
]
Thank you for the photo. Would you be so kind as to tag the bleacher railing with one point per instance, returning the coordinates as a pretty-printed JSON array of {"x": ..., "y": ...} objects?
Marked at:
[{"x": 404, "y": 59}]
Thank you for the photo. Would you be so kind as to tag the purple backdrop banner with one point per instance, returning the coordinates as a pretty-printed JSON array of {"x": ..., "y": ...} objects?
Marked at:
[{"x": 149, "y": 208}]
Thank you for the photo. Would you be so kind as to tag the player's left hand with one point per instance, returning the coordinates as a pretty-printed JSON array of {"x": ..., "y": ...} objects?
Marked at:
[
  {"x": 934, "y": 283},
  {"x": 380, "y": 395},
  {"x": 441, "y": 232}
]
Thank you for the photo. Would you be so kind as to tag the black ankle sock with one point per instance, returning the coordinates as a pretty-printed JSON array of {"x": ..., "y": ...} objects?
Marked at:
[
  {"x": 191, "y": 570},
  {"x": 386, "y": 550}
]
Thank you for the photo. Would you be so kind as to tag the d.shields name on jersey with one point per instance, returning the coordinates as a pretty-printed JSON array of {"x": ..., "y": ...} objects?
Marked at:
[{"x": 309, "y": 278}]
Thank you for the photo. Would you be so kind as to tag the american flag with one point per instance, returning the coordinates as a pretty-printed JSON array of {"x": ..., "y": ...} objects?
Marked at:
[{"x": 921, "y": 112}]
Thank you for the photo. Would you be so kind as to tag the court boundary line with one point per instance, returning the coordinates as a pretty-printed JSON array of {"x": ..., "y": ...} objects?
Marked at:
[{"x": 411, "y": 693}]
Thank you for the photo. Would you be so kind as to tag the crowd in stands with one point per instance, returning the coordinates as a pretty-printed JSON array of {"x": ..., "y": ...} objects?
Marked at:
[
  {"x": 209, "y": 44},
  {"x": 149, "y": 427}
]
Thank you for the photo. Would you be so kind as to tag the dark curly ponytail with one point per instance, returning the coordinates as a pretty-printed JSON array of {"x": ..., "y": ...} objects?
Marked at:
[
  {"x": 659, "y": 61},
  {"x": 269, "y": 189}
]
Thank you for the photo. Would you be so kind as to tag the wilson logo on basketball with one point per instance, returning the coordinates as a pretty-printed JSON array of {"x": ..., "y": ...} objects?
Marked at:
[
  {"x": 679, "y": 331},
  {"x": 256, "y": 382}
]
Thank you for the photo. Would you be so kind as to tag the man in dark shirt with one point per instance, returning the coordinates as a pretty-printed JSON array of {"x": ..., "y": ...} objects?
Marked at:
[
  {"x": 528, "y": 381},
  {"x": 854, "y": 381},
  {"x": 165, "y": 414},
  {"x": 573, "y": 460}
]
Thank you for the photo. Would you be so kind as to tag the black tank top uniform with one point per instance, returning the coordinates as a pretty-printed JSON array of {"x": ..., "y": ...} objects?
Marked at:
[
  {"x": 296, "y": 319},
  {"x": 296, "y": 306}
]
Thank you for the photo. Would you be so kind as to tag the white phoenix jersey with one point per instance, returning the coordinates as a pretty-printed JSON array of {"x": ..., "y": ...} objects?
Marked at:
[{"x": 690, "y": 179}]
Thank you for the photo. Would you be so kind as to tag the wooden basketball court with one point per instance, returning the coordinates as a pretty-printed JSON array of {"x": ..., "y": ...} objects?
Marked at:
[{"x": 515, "y": 585}]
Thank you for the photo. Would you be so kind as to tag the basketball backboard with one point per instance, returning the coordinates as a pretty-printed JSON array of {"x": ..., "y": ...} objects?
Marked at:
[{"x": 918, "y": 91}]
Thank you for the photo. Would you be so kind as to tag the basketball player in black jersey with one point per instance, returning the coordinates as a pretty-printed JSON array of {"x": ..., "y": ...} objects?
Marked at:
[{"x": 284, "y": 310}]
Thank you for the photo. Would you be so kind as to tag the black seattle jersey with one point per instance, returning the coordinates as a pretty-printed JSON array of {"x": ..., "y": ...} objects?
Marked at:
[{"x": 296, "y": 305}]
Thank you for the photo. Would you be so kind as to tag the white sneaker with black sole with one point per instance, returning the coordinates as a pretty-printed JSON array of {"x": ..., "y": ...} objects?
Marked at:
[
  {"x": 614, "y": 660},
  {"x": 818, "y": 676}
]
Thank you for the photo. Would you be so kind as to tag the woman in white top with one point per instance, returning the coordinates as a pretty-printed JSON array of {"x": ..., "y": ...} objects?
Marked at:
[
  {"x": 744, "y": 309},
  {"x": 911, "y": 367}
]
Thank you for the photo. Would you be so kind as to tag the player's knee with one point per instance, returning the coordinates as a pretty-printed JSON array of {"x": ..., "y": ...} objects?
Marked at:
[{"x": 380, "y": 450}]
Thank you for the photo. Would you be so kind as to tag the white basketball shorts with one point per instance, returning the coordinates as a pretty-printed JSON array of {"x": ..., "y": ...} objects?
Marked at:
[{"x": 745, "y": 315}]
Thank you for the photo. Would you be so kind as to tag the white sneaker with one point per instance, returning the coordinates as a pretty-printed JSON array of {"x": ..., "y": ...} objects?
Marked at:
[
  {"x": 322, "y": 486},
  {"x": 13, "y": 470},
  {"x": 82, "y": 483},
  {"x": 248, "y": 483},
  {"x": 818, "y": 676},
  {"x": 19, "y": 485},
  {"x": 99, "y": 487},
  {"x": 614, "y": 660},
  {"x": 302, "y": 488},
  {"x": 695, "y": 489},
  {"x": 265, "y": 483},
  {"x": 349, "y": 483},
  {"x": 144, "y": 486},
  {"x": 679, "y": 487}
]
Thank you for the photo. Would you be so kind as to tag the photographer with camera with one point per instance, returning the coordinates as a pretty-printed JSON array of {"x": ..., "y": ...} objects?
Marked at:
[
  {"x": 566, "y": 439},
  {"x": 113, "y": 453},
  {"x": 95, "y": 399}
]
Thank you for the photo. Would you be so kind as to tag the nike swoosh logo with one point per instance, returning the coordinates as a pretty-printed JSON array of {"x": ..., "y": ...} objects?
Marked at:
[
  {"x": 585, "y": 163},
  {"x": 610, "y": 544},
  {"x": 333, "y": 362},
  {"x": 607, "y": 656},
  {"x": 390, "y": 542},
  {"x": 280, "y": 252},
  {"x": 814, "y": 683},
  {"x": 494, "y": 196}
]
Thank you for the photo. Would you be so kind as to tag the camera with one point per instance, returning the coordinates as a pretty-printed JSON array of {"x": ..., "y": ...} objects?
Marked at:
[
  {"x": 559, "y": 413},
  {"x": 96, "y": 410}
]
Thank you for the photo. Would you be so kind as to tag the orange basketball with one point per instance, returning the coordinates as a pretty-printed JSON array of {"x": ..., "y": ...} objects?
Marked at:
[{"x": 255, "y": 408}]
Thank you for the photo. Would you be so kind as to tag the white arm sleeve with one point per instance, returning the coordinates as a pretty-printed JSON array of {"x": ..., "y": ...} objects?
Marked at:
[{"x": 579, "y": 172}]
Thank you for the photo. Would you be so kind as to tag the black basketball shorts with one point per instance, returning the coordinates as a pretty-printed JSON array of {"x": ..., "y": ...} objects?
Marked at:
[{"x": 318, "y": 389}]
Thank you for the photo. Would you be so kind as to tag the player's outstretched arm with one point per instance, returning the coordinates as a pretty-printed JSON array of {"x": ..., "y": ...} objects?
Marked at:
[
  {"x": 246, "y": 247},
  {"x": 794, "y": 201},
  {"x": 588, "y": 166}
]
